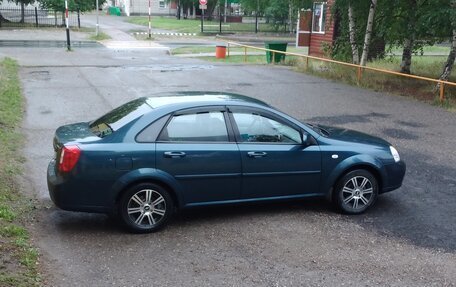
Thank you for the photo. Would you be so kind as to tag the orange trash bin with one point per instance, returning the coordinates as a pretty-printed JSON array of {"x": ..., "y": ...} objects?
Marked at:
[{"x": 220, "y": 52}]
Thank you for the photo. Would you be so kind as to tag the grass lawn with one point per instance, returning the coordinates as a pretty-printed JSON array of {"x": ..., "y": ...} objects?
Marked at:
[
  {"x": 165, "y": 23},
  {"x": 194, "y": 25},
  {"x": 436, "y": 49},
  {"x": 18, "y": 258},
  {"x": 426, "y": 66}
]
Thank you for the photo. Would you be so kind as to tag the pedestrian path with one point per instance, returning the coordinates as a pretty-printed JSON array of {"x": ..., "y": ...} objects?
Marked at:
[{"x": 112, "y": 44}]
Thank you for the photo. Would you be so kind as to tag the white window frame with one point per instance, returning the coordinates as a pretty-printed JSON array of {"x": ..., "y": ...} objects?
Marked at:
[{"x": 322, "y": 20}]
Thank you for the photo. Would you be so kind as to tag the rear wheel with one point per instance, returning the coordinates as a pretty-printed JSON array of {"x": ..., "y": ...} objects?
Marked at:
[
  {"x": 356, "y": 192},
  {"x": 145, "y": 207}
]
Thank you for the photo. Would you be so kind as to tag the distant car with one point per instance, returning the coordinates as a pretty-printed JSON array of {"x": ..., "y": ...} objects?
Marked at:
[{"x": 151, "y": 156}]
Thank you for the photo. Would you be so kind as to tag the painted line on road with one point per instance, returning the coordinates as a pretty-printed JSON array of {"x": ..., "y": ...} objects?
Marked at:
[{"x": 165, "y": 34}]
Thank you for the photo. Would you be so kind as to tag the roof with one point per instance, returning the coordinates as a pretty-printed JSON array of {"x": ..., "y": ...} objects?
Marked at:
[{"x": 165, "y": 99}]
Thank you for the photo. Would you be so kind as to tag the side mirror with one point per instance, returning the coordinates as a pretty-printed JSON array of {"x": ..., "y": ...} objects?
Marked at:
[{"x": 307, "y": 140}]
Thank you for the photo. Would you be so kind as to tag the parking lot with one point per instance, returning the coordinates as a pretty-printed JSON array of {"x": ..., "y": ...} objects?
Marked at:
[{"x": 407, "y": 239}]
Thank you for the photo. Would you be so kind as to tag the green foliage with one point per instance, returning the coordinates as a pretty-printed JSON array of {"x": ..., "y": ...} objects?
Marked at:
[
  {"x": 6, "y": 213},
  {"x": 425, "y": 21},
  {"x": 277, "y": 12},
  {"x": 73, "y": 5}
]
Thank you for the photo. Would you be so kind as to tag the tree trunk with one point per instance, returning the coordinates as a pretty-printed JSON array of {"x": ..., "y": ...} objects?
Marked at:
[
  {"x": 368, "y": 35},
  {"x": 22, "y": 12},
  {"x": 290, "y": 17},
  {"x": 452, "y": 55},
  {"x": 407, "y": 56},
  {"x": 409, "y": 42},
  {"x": 352, "y": 32},
  {"x": 450, "y": 60}
]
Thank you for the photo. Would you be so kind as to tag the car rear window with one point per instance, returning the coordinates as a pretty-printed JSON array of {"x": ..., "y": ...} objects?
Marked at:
[{"x": 119, "y": 117}]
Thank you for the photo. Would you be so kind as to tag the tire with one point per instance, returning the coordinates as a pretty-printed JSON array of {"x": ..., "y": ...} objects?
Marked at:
[
  {"x": 145, "y": 208},
  {"x": 355, "y": 192}
]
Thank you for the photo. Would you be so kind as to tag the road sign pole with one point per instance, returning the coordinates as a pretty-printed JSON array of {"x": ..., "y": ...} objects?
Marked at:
[
  {"x": 202, "y": 20},
  {"x": 203, "y": 7}
]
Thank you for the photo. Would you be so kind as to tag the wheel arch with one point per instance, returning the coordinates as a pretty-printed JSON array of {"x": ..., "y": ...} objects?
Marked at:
[
  {"x": 371, "y": 165},
  {"x": 148, "y": 175}
]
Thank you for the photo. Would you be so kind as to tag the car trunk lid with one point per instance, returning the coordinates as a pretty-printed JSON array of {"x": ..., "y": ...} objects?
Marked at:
[{"x": 79, "y": 132}]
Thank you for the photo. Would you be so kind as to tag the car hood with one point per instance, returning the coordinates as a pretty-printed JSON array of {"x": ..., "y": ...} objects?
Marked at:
[
  {"x": 79, "y": 132},
  {"x": 351, "y": 136}
]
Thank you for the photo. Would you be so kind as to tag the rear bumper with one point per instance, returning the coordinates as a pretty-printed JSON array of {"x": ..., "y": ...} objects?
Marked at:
[
  {"x": 64, "y": 193},
  {"x": 395, "y": 173}
]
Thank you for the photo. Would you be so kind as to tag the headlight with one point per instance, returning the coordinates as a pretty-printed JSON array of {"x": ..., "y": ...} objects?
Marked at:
[{"x": 395, "y": 154}]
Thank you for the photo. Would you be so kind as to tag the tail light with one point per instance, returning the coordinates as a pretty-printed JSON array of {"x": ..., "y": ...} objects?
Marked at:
[{"x": 69, "y": 157}]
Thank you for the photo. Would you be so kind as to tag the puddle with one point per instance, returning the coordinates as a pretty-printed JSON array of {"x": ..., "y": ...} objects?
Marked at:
[{"x": 170, "y": 68}]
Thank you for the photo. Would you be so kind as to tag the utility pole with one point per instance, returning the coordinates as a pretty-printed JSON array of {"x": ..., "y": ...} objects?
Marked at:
[
  {"x": 150, "y": 26},
  {"x": 67, "y": 26},
  {"x": 226, "y": 6},
  {"x": 97, "y": 29},
  {"x": 256, "y": 16}
]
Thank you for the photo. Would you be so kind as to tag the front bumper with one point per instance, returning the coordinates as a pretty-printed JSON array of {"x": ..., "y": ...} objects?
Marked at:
[{"x": 395, "y": 173}]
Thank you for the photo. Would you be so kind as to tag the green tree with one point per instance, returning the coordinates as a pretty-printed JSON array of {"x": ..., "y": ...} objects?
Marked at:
[
  {"x": 23, "y": 3},
  {"x": 279, "y": 12},
  {"x": 73, "y": 5},
  {"x": 409, "y": 24},
  {"x": 413, "y": 24},
  {"x": 451, "y": 24}
]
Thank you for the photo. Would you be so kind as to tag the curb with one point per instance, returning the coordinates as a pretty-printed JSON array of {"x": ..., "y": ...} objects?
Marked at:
[{"x": 165, "y": 34}]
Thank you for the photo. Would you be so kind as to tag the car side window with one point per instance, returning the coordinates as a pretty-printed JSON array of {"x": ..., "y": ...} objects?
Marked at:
[
  {"x": 257, "y": 128},
  {"x": 196, "y": 127},
  {"x": 150, "y": 133}
]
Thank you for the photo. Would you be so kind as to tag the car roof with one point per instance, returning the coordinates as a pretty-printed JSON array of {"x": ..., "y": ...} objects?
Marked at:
[{"x": 197, "y": 98}]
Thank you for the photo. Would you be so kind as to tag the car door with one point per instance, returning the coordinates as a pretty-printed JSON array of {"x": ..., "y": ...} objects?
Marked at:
[
  {"x": 197, "y": 149},
  {"x": 275, "y": 161}
]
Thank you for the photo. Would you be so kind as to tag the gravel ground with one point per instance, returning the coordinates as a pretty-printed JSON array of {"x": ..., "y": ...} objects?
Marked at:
[{"x": 407, "y": 239}]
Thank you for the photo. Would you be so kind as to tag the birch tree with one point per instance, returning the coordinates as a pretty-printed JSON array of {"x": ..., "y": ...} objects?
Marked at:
[
  {"x": 367, "y": 37},
  {"x": 446, "y": 73},
  {"x": 409, "y": 39},
  {"x": 352, "y": 34}
]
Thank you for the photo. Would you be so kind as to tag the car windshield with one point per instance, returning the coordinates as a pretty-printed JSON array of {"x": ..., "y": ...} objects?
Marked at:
[{"x": 119, "y": 117}]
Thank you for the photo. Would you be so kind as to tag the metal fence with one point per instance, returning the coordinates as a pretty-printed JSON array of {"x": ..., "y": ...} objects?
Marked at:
[
  {"x": 34, "y": 17},
  {"x": 249, "y": 24}
]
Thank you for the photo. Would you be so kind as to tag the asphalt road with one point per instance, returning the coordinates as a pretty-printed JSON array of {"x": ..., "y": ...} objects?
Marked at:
[{"x": 407, "y": 239}]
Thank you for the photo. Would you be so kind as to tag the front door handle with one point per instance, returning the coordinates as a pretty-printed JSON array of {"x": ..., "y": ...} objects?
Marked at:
[
  {"x": 256, "y": 154},
  {"x": 174, "y": 154}
]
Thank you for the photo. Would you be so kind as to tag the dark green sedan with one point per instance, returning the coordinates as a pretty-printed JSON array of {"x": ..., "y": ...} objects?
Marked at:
[{"x": 152, "y": 156}]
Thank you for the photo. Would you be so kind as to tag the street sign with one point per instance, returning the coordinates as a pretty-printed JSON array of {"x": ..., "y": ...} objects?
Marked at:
[
  {"x": 203, "y": 2},
  {"x": 203, "y": 7}
]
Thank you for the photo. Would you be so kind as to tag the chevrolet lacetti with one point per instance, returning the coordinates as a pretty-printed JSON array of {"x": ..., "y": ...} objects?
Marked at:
[{"x": 152, "y": 156}]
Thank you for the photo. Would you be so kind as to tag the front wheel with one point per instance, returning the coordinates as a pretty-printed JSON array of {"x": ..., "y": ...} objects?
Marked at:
[
  {"x": 355, "y": 192},
  {"x": 145, "y": 207}
]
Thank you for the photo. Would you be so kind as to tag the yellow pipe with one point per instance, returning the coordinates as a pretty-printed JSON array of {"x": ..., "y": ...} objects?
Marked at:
[{"x": 346, "y": 64}]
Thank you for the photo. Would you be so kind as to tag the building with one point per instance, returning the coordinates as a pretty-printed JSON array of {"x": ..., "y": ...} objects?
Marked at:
[
  {"x": 316, "y": 28},
  {"x": 141, "y": 7}
]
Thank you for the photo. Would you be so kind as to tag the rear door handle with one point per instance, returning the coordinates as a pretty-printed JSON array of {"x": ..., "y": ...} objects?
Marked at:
[
  {"x": 174, "y": 154},
  {"x": 256, "y": 154}
]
